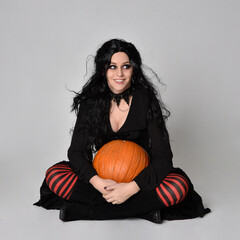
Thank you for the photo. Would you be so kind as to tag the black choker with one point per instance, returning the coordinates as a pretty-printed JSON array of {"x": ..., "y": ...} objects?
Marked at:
[{"x": 124, "y": 95}]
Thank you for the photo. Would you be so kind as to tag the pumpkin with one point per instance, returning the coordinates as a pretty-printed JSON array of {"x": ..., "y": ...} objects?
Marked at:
[{"x": 120, "y": 160}]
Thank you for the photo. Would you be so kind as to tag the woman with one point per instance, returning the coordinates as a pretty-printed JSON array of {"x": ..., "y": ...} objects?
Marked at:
[{"x": 119, "y": 102}]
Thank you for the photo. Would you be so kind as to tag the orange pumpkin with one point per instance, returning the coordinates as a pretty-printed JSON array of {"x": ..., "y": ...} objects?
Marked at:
[{"x": 120, "y": 160}]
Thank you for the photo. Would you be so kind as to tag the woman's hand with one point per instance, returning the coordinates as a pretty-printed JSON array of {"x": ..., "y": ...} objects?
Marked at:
[
  {"x": 100, "y": 183},
  {"x": 120, "y": 192}
]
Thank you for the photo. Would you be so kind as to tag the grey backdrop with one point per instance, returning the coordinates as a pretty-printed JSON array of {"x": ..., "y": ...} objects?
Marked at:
[{"x": 192, "y": 45}]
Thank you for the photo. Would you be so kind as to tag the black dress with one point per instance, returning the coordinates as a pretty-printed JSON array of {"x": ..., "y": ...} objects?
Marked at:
[{"x": 147, "y": 134}]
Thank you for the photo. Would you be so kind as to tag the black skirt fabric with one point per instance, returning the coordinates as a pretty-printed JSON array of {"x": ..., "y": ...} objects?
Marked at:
[{"x": 190, "y": 207}]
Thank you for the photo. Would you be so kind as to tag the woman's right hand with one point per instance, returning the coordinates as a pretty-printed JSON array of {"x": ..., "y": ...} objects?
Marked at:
[{"x": 99, "y": 183}]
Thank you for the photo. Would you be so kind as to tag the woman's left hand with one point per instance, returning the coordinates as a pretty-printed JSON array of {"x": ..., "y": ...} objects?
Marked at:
[{"x": 120, "y": 192}]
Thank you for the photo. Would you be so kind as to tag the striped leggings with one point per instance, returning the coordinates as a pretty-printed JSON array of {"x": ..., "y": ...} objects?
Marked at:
[{"x": 61, "y": 180}]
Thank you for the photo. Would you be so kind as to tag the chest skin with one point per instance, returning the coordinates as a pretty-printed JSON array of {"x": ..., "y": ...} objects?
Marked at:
[
  {"x": 118, "y": 114},
  {"x": 131, "y": 124}
]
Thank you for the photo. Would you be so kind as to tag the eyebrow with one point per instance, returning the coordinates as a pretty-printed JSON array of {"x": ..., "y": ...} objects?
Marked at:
[{"x": 122, "y": 63}]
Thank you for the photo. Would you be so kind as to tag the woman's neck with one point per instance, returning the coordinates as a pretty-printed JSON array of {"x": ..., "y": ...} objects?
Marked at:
[{"x": 125, "y": 95}]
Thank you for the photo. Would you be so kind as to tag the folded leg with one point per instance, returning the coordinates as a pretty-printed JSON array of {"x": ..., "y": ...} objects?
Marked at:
[
  {"x": 172, "y": 190},
  {"x": 61, "y": 184}
]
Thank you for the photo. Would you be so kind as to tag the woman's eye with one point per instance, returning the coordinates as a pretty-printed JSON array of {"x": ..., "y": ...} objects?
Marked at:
[
  {"x": 124, "y": 66},
  {"x": 127, "y": 66}
]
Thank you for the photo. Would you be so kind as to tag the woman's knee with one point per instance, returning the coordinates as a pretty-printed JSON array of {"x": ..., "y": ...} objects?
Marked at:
[
  {"x": 61, "y": 179},
  {"x": 173, "y": 189}
]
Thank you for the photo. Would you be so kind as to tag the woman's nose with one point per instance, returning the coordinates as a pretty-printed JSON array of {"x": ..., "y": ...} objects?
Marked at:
[{"x": 120, "y": 72}]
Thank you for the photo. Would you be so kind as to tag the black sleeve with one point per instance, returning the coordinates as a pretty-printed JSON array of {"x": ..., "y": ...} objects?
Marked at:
[
  {"x": 77, "y": 153},
  {"x": 160, "y": 155}
]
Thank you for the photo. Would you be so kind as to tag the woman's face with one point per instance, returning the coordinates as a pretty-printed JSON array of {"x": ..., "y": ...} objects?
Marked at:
[{"x": 119, "y": 73}]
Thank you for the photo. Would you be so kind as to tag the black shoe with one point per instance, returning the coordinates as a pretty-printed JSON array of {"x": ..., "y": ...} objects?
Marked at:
[
  {"x": 74, "y": 211},
  {"x": 154, "y": 216},
  {"x": 63, "y": 213}
]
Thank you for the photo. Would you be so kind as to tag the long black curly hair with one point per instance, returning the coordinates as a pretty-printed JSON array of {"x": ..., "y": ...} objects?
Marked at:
[{"x": 97, "y": 95}]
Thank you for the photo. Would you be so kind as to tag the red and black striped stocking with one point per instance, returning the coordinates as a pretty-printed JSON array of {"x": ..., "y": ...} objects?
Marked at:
[
  {"x": 61, "y": 179},
  {"x": 173, "y": 189}
]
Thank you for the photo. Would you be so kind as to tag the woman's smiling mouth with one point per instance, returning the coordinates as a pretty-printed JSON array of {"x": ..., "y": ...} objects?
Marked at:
[{"x": 119, "y": 80}]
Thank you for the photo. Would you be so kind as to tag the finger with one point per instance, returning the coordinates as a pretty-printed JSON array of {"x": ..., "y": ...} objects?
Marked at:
[
  {"x": 107, "y": 197},
  {"x": 112, "y": 181},
  {"x": 110, "y": 200},
  {"x": 107, "y": 194},
  {"x": 110, "y": 187},
  {"x": 104, "y": 196}
]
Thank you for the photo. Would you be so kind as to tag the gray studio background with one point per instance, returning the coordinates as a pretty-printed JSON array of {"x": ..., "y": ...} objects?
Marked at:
[{"x": 192, "y": 45}]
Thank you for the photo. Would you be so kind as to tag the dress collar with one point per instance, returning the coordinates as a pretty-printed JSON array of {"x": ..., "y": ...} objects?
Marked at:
[{"x": 125, "y": 95}]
